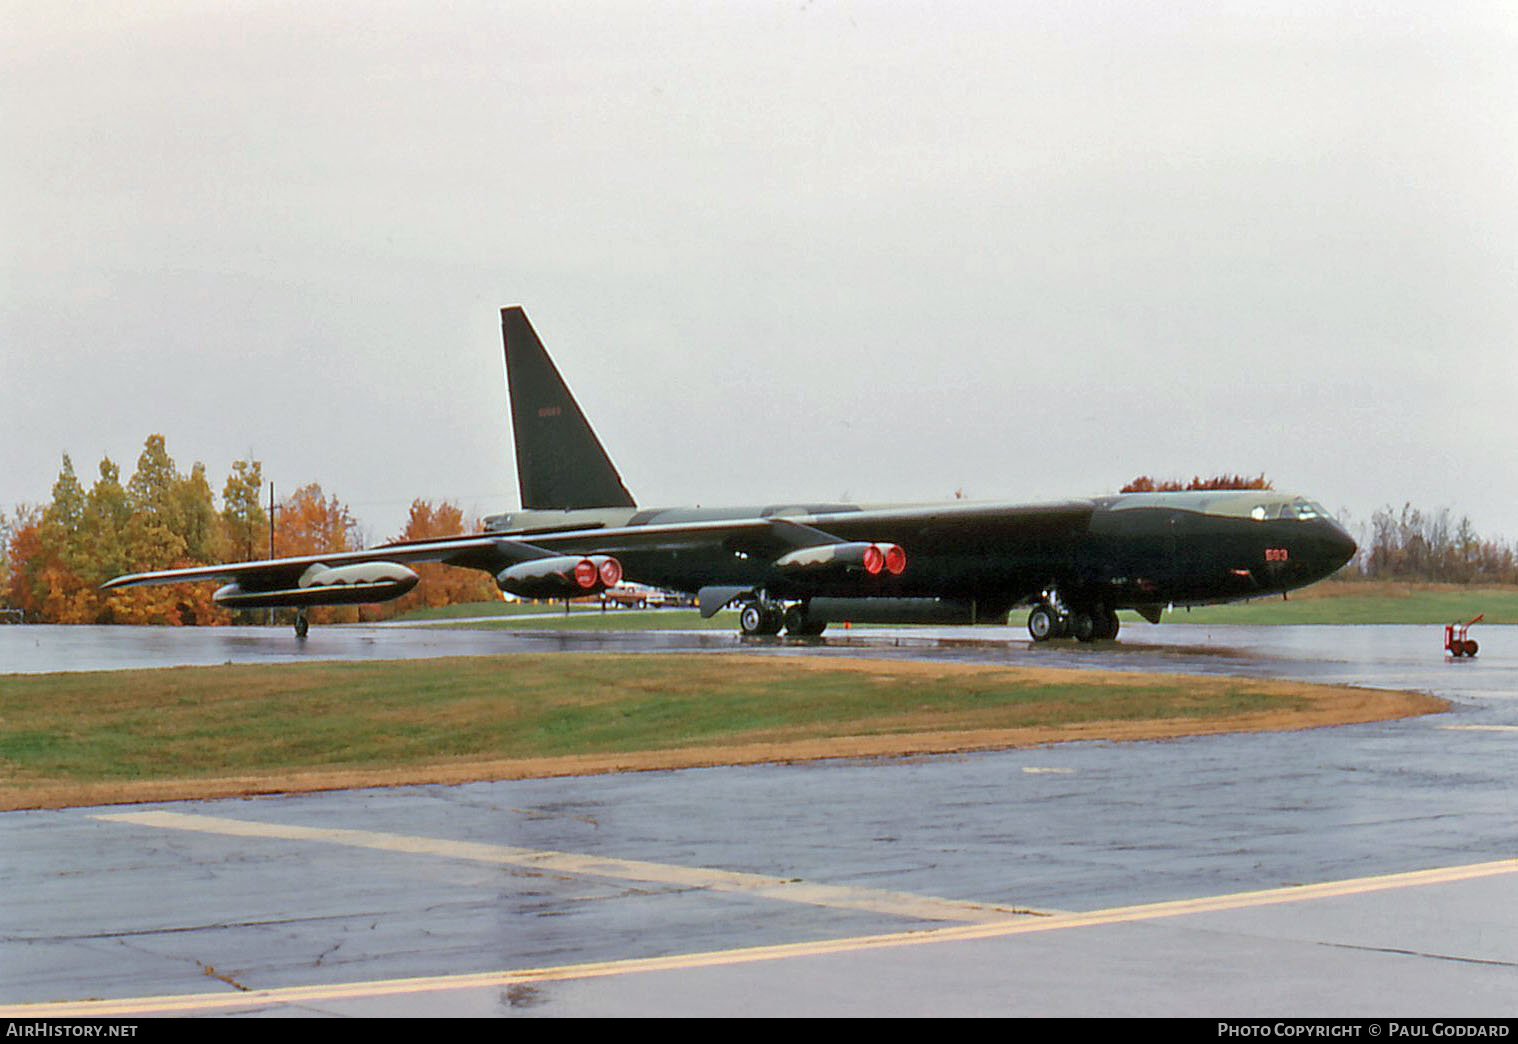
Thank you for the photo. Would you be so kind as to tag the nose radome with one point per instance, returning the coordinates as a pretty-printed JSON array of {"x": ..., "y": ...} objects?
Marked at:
[{"x": 1340, "y": 545}]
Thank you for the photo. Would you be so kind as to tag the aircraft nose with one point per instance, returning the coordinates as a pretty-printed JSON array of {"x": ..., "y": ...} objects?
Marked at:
[{"x": 1339, "y": 545}]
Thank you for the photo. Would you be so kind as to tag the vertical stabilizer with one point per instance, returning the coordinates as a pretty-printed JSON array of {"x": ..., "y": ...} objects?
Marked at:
[{"x": 561, "y": 465}]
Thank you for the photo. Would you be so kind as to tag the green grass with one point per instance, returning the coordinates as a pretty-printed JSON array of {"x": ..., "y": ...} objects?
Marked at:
[
  {"x": 1351, "y": 602},
  {"x": 188, "y": 723}
]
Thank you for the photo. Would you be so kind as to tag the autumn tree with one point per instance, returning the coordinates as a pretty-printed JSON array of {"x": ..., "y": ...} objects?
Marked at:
[
  {"x": 102, "y": 530},
  {"x": 1412, "y": 544},
  {"x": 155, "y": 524},
  {"x": 1145, "y": 484},
  {"x": 242, "y": 515},
  {"x": 58, "y": 557},
  {"x": 22, "y": 547},
  {"x": 205, "y": 540},
  {"x": 7, "y": 531},
  {"x": 170, "y": 522},
  {"x": 51, "y": 581},
  {"x": 440, "y": 585},
  {"x": 310, "y": 523}
]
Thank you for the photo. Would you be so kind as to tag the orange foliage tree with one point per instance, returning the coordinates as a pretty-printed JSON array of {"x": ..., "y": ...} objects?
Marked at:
[
  {"x": 440, "y": 585},
  {"x": 54, "y": 557},
  {"x": 1145, "y": 484},
  {"x": 310, "y": 523},
  {"x": 57, "y": 556}
]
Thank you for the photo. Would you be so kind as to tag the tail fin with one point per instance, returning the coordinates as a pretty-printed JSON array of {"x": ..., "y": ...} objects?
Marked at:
[{"x": 560, "y": 462}]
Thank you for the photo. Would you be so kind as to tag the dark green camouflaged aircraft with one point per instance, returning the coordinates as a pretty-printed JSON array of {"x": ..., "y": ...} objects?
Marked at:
[{"x": 798, "y": 566}]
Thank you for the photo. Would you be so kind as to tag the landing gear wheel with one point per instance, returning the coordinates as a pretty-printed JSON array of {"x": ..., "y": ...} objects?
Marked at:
[
  {"x": 751, "y": 618},
  {"x": 799, "y": 623},
  {"x": 755, "y": 618},
  {"x": 1103, "y": 625},
  {"x": 1109, "y": 625},
  {"x": 302, "y": 625},
  {"x": 1083, "y": 625},
  {"x": 1043, "y": 623}
]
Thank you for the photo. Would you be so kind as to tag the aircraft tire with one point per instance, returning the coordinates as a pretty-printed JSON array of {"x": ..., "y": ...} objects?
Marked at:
[
  {"x": 799, "y": 623},
  {"x": 756, "y": 618},
  {"x": 795, "y": 619},
  {"x": 1084, "y": 626},
  {"x": 1043, "y": 623},
  {"x": 1470, "y": 647},
  {"x": 751, "y": 618},
  {"x": 1110, "y": 624},
  {"x": 774, "y": 619},
  {"x": 302, "y": 625}
]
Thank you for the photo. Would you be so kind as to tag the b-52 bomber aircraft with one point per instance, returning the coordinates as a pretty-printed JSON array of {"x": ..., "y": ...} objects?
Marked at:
[{"x": 796, "y": 567}]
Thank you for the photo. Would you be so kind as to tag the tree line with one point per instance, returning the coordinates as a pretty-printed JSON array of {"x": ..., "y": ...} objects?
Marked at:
[
  {"x": 1433, "y": 546},
  {"x": 54, "y": 557}
]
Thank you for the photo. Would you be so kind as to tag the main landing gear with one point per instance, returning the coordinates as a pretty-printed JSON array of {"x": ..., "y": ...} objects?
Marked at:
[
  {"x": 1051, "y": 618},
  {"x": 760, "y": 616},
  {"x": 302, "y": 625}
]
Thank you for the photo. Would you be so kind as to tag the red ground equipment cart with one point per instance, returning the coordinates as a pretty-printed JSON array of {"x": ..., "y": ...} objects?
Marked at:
[{"x": 1455, "y": 641}]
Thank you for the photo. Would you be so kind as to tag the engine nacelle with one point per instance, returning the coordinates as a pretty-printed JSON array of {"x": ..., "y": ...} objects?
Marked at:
[
  {"x": 562, "y": 576},
  {"x": 873, "y": 559},
  {"x": 319, "y": 585}
]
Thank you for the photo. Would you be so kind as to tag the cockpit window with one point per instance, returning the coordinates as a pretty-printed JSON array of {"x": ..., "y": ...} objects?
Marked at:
[{"x": 1261, "y": 506}]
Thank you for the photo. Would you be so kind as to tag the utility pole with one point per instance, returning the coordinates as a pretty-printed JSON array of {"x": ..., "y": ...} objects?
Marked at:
[{"x": 271, "y": 539}]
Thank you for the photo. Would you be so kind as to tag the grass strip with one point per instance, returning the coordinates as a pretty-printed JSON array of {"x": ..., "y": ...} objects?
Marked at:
[
  {"x": 1366, "y": 602},
  {"x": 373, "y": 718}
]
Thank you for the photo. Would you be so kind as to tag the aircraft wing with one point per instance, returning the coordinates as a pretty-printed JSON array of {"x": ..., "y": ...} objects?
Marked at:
[
  {"x": 379, "y": 574},
  {"x": 847, "y": 547},
  {"x": 779, "y": 534},
  {"x": 283, "y": 572}
]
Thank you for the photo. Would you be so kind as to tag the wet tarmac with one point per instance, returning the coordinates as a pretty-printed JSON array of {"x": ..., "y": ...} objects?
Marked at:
[
  {"x": 1400, "y": 657},
  {"x": 944, "y": 885}
]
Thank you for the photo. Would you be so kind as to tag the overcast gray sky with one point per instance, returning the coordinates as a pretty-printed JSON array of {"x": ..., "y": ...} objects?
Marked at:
[{"x": 781, "y": 251}]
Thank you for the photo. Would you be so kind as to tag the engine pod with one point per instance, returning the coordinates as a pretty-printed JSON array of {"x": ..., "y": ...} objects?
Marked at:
[
  {"x": 320, "y": 585},
  {"x": 560, "y": 576}
]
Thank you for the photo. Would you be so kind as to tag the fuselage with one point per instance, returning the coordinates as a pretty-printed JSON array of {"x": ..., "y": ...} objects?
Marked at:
[{"x": 1126, "y": 551}]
